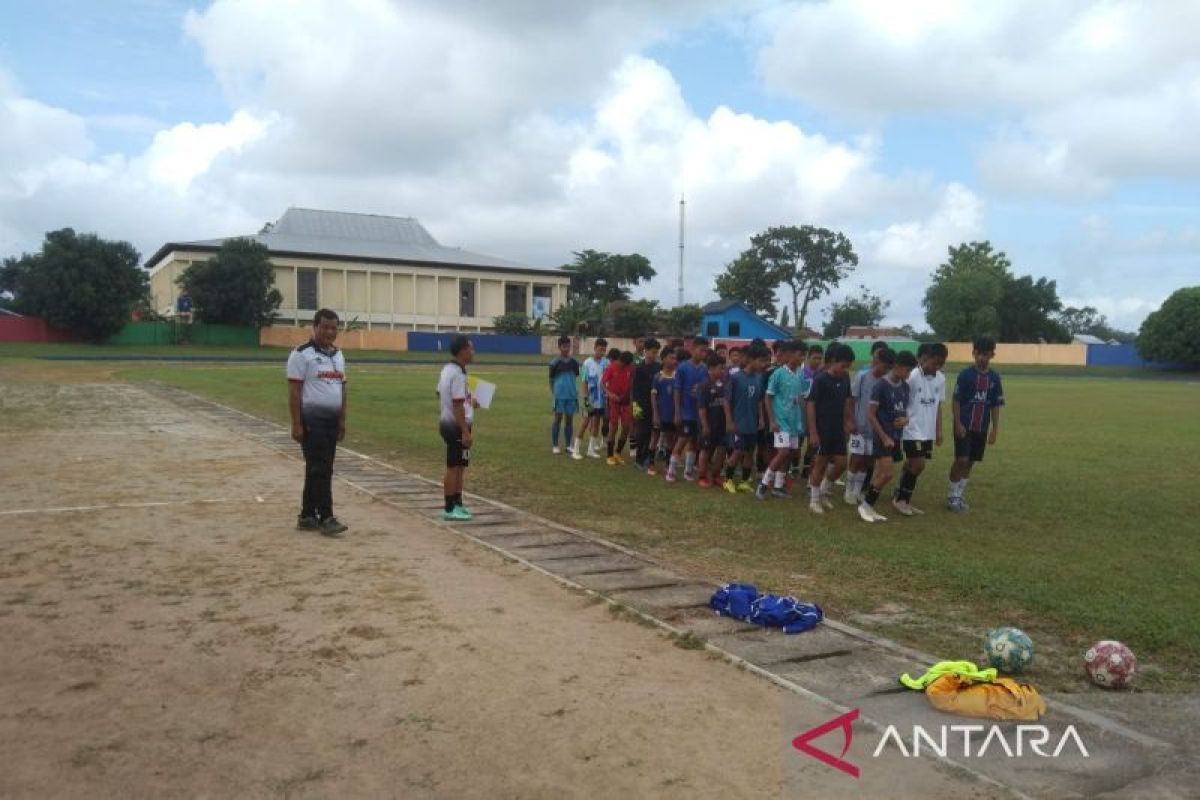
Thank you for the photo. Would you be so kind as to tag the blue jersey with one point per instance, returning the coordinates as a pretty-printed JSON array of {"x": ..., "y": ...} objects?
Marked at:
[
  {"x": 664, "y": 387},
  {"x": 977, "y": 394},
  {"x": 745, "y": 393},
  {"x": 890, "y": 401},
  {"x": 593, "y": 371},
  {"x": 563, "y": 374},
  {"x": 688, "y": 376}
]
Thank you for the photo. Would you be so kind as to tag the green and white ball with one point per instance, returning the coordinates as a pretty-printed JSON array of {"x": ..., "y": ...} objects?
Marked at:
[{"x": 1008, "y": 650}]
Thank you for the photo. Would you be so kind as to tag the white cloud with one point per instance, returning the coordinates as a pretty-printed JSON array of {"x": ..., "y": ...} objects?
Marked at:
[{"x": 1090, "y": 93}]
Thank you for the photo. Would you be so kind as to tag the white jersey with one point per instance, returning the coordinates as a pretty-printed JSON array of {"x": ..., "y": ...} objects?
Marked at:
[
  {"x": 322, "y": 374},
  {"x": 926, "y": 393},
  {"x": 452, "y": 385}
]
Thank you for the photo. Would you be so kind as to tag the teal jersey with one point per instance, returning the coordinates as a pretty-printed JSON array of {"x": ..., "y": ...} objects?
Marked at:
[{"x": 785, "y": 393}]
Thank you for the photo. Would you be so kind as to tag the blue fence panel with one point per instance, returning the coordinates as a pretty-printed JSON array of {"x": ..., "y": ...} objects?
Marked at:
[
  {"x": 429, "y": 342},
  {"x": 1123, "y": 355}
]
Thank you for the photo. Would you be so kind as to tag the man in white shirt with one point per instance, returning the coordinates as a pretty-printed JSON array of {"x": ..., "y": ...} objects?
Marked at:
[
  {"x": 316, "y": 373},
  {"x": 454, "y": 424},
  {"x": 926, "y": 394}
]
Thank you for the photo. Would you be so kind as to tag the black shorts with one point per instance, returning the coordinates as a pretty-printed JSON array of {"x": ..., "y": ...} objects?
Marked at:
[
  {"x": 895, "y": 454},
  {"x": 971, "y": 446},
  {"x": 918, "y": 449},
  {"x": 833, "y": 443},
  {"x": 597, "y": 413},
  {"x": 766, "y": 439},
  {"x": 456, "y": 454},
  {"x": 666, "y": 427},
  {"x": 744, "y": 442},
  {"x": 689, "y": 428}
]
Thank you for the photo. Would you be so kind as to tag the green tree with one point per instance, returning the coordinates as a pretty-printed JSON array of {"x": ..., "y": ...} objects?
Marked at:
[
  {"x": 682, "y": 320},
  {"x": 1087, "y": 320},
  {"x": 1029, "y": 311},
  {"x": 514, "y": 323},
  {"x": 864, "y": 308},
  {"x": 234, "y": 287},
  {"x": 964, "y": 299},
  {"x": 634, "y": 317},
  {"x": 748, "y": 280},
  {"x": 577, "y": 316},
  {"x": 606, "y": 277},
  {"x": 78, "y": 282},
  {"x": 1172, "y": 333},
  {"x": 811, "y": 261}
]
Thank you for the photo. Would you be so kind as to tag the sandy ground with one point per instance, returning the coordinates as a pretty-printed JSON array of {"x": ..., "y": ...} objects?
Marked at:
[{"x": 203, "y": 647}]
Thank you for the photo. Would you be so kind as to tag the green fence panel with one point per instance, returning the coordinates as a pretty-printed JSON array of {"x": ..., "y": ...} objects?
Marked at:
[{"x": 152, "y": 333}]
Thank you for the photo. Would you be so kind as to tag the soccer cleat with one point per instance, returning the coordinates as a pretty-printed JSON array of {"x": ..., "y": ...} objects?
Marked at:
[
  {"x": 556, "y": 450},
  {"x": 620, "y": 459},
  {"x": 670, "y": 476},
  {"x": 826, "y": 502},
  {"x": 746, "y": 486},
  {"x": 463, "y": 512},
  {"x": 780, "y": 493},
  {"x": 309, "y": 523},
  {"x": 729, "y": 486},
  {"x": 902, "y": 507},
  {"x": 866, "y": 513},
  {"x": 575, "y": 454},
  {"x": 457, "y": 514},
  {"x": 916, "y": 511},
  {"x": 703, "y": 483},
  {"x": 878, "y": 517},
  {"x": 650, "y": 470},
  {"x": 593, "y": 453},
  {"x": 330, "y": 526},
  {"x": 689, "y": 475},
  {"x": 815, "y": 507},
  {"x": 612, "y": 461},
  {"x": 760, "y": 492},
  {"x": 952, "y": 504}
]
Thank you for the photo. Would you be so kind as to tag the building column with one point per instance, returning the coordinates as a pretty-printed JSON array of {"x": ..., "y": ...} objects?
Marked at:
[
  {"x": 392, "y": 295},
  {"x": 529, "y": 299},
  {"x": 296, "y": 296},
  {"x": 370, "y": 308}
]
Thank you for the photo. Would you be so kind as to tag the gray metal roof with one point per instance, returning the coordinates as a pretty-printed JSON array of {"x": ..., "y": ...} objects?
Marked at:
[{"x": 305, "y": 231}]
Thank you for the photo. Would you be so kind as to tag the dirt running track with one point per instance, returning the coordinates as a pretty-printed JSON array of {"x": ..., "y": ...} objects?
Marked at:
[{"x": 202, "y": 647}]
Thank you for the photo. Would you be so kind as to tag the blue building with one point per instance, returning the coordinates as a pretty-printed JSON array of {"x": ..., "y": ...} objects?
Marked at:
[{"x": 731, "y": 319}]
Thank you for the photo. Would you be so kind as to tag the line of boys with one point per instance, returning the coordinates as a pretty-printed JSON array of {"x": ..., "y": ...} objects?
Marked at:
[{"x": 712, "y": 414}]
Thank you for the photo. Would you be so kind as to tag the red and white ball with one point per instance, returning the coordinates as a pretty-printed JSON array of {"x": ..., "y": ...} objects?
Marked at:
[{"x": 1110, "y": 664}]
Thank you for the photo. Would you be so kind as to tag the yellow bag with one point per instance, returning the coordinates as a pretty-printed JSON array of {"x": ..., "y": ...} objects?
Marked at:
[{"x": 1002, "y": 698}]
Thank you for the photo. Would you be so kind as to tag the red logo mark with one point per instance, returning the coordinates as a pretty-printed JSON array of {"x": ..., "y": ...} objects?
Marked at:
[{"x": 844, "y": 722}]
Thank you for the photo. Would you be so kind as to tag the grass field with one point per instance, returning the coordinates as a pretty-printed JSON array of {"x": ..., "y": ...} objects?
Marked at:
[{"x": 1081, "y": 525}]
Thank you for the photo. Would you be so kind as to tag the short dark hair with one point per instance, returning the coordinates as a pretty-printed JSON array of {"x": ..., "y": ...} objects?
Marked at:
[
  {"x": 777, "y": 345},
  {"x": 757, "y": 351},
  {"x": 815, "y": 348},
  {"x": 983, "y": 344},
  {"x": 721, "y": 346},
  {"x": 458, "y": 344},
  {"x": 651, "y": 344},
  {"x": 905, "y": 358},
  {"x": 879, "y": 345},
  {"x": 922, "y": 349},
  {"x": 939, "y": 350},
  {"x": 735, "y": 349},
  {"x": 886, "y": 356},
  {"x": 700, "y": 340},
  {"x": 601, "y": 342},
  {"x": 324, "y": 313},
  {"x": 667, "y": 351},
  {"x": 627, "y": 357},
  {"x": 614, "y": 353},
  {"x": 839, "y": 353},
  {"x": 758, "y": 341},
  {"x": 714, "y": 360},
  {"x": 791, "y": 346},
  {"x": 564, "y": 340}
]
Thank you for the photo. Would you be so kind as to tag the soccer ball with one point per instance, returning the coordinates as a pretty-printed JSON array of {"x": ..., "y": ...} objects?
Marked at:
[
  {"x": 1008, "y": 649},
  {"x": 1110, "y": 664}
]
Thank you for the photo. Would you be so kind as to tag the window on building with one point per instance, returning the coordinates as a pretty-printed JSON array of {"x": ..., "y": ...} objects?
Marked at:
[
  {"x": 542, "y": 301},
  {"x": 735, "y": 329},
  {"x": 515, "y": 298},
  {"x": 306, "y": 290},
  {"x": 466, "y": 298},
  {"x": 712, "y": 329}
]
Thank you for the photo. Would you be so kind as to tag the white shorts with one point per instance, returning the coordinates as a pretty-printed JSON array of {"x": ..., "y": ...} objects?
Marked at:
[
  {"x": 860, "y": 445},
  {"x": 783, "y": 439}
]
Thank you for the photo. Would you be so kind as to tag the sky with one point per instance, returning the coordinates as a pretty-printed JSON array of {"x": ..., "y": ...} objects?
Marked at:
[{"x": 1063, "y": 132}]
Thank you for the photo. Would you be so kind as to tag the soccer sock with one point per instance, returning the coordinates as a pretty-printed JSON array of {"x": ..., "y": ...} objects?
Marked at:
[
  {"x": 729, "y": 473},
  {"x": 610, "y": 448},
  {"x": 458, "y": 499},
  {"x": 767, "y": 477},
  {"x": 672, "y": 463},
  {"x": 908, "y": 482},
  {"x": 569, "y": 431},
  {"x": 871, "y": 496},
  {"x": 621, "y": 444},
  {"x": 780, "y": 477},
  {"x": 962, "y": 487},
  {"x": 554, "y": 426},
  {"x": 449, "y": 502},
  {"x": 952, "y": 490},
  {"x": 826, "y": 486},
  {"x": 689, "y": 462},
  {"x": 870, "y": 473},
  {"x": 746, "y": 472}
]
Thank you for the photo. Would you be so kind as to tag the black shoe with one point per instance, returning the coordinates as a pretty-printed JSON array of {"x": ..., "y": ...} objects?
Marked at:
[
  {"x": 304, "y": 523},
  {"x": 331, "y": 527}
]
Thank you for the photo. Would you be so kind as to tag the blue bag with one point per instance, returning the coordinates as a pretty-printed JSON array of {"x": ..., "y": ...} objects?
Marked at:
[{"x": 734, "y": 600}]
